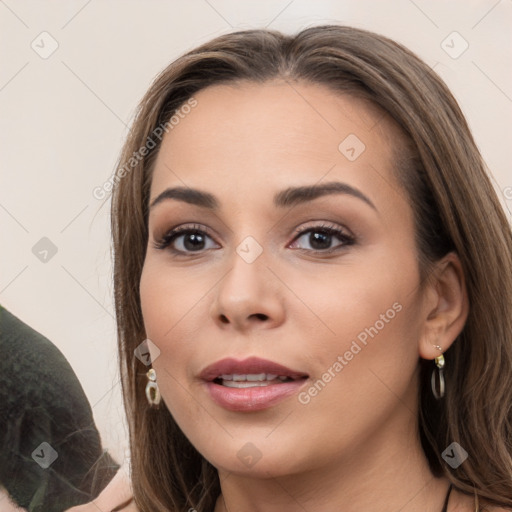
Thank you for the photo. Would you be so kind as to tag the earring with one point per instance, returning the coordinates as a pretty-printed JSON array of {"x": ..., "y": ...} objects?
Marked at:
[
  {"x": 439, "y": 360},
  {"x": 152, "y": 391}
]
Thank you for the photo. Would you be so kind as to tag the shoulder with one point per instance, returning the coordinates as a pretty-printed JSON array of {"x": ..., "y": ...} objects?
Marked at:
[
  {"x": 117, "y": 492},
  {"x": 6, "y": 504}
]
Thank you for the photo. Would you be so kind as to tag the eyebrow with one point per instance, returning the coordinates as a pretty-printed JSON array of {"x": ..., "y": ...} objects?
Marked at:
[{"x": 291, "y": 196}]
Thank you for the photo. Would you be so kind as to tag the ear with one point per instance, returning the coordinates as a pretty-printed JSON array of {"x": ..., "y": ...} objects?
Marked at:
[{"x": 445, "y": 307}]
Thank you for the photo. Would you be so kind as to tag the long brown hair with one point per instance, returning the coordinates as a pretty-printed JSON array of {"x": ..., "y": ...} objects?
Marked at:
[{"x": 455, "y": 209}]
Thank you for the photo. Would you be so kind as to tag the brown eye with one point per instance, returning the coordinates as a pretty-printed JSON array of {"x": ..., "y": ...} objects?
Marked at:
[
  {"x": 185, "y": 239},
  {"x": 320, "y": 238}
]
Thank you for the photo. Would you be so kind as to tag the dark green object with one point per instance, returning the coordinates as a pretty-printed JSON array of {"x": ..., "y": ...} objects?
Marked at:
[{"x": 42, "y": 401}]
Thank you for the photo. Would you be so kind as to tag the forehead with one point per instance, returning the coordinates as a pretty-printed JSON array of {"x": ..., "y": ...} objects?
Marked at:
[{"x": 249, "y": 137}]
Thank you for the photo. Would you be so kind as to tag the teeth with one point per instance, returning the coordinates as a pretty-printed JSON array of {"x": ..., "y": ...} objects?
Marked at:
[
  {"x": 246, "y": 384},
  {"x": 256, "y": 377},
  {"x": 250, "y": 380},
  {"x": 252, "y": 377}
]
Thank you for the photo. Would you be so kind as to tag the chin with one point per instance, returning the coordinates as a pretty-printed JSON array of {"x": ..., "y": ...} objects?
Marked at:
[{"x": 257, "y": 456}]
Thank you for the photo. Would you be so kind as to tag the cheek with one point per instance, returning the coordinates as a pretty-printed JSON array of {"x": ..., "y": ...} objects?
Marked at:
[
  {"x": 344, "y": 301},
  {"x": 164, "y": 314},
  {"x": 168, "y": 296},
  {"x": 367, "y": 315},
  {"x": 365, "y": 353},
  {"x": 173, "y": 306}
]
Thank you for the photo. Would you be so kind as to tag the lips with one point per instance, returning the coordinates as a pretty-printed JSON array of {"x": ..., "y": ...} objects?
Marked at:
[
  {"x": 253, "y": 369},
  {"x": 253, "y": 384}
]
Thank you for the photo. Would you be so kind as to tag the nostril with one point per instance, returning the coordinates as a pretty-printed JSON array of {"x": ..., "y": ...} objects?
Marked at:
[{"x": 259, "y": 316}]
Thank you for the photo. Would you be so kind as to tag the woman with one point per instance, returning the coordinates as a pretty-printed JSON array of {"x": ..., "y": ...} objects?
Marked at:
[{"x": 304, "y": 230}]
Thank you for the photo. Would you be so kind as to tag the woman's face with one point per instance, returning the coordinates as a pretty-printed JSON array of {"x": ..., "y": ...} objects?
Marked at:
[{"x": 339, "y": 305}]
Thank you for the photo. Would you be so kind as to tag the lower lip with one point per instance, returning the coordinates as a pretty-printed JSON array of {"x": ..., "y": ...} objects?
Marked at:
[{"x": 252, "y": 399}]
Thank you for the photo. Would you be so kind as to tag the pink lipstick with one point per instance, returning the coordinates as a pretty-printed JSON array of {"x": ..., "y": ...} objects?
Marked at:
[{"x": 251, "y": 384}]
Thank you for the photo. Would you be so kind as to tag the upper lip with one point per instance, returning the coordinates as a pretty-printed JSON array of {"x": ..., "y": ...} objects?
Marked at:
[{"x": 251, "y": 365}]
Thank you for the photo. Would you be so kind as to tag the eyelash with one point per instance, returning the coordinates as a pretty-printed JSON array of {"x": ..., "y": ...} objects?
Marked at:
[{"x": 331, "y": 230}]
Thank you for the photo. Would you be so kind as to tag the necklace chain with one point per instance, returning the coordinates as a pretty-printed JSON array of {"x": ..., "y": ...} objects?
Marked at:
[{"x": 445, "y": 507}]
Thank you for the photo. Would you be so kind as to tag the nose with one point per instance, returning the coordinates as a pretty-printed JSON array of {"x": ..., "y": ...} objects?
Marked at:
[{"x": 248, "y": 297}]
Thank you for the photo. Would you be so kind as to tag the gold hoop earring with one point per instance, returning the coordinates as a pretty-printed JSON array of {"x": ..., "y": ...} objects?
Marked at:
[
  {"x": 152, "y": 391},
  {"x": 440, "y": 362}
]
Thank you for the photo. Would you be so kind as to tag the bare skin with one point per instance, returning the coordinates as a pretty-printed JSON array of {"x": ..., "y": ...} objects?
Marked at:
[{"x": 354, "y": 445}]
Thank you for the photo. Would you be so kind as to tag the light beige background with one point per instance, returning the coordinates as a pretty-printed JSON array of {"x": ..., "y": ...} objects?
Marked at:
[{"x": 63, "y": 120}]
